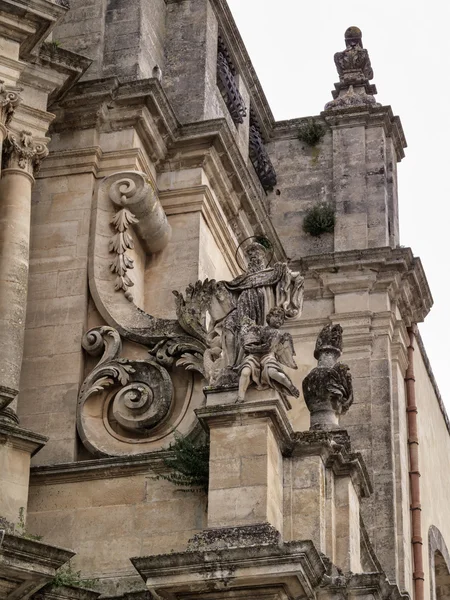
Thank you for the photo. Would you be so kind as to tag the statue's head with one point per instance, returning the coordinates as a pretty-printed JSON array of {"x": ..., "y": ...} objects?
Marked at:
[
  {"x": 276, "y": 317},
  {"x": 256, "y": 256},
  {"x": 329, "y": 340},
  {"x": 353, "y": 37}
]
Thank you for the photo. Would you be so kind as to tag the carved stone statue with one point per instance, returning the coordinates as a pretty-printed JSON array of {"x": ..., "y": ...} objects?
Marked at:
[
  {"x": 217, "y": 350},
  {"x": 355, "y": 72},
  {"x": 327, "y": 389},
  {"x": 266, "y": 349}
]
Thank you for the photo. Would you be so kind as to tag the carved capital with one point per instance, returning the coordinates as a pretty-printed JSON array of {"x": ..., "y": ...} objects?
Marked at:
[
  {"x": 9, "y": 100},
  {"x": 22, "y": 152}
]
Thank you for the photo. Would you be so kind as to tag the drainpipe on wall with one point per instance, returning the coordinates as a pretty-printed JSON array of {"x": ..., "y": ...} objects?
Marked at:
[{"x": 414, "y": 474}]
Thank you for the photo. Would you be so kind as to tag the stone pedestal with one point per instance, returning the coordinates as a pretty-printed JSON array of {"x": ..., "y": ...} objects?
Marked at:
[
  {"x": 17, "y": 446},
  {"x": 323, "y": 484},
  {"x": 246, "y": 465}
]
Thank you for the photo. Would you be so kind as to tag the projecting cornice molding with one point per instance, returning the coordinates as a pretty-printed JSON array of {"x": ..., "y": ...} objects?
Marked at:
[
  {"x": 108, "y": 106},
  {"x": 394, "y": 271}
]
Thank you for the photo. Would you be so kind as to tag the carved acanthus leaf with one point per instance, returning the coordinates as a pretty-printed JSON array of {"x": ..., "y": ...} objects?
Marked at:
[
  {"x": 119, "y": 243},
  {"x": 21, "y": 151}
]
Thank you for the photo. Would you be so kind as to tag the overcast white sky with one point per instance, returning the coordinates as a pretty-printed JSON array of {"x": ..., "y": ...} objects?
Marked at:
[{"x": 292, "y": 43}]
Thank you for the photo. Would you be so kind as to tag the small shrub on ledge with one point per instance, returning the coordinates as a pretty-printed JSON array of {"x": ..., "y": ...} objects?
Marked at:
[
  {"x": 189, "y": 466},
  {"x": 319, "y": 219},
  {"x": 311, "y": 133}
]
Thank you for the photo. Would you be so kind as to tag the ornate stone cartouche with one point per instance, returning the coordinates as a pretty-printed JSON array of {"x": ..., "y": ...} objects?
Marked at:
[
  {"x": 327, "y": 389},
  {"x": 355, "y": 72}
]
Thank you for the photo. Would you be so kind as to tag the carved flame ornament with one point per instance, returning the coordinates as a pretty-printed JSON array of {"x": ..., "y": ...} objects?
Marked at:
[{"x": 328, "y": 389}]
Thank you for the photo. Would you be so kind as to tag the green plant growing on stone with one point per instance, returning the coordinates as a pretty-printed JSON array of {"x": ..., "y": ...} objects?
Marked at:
[
  {"x": 66, "y": 576},
  {"x": 188, "y": 466},
  {"x": 20, "y": 528},
  {"x": 53, "y": 45},
  {"x": 319, "y": 219},
  {"x": 311, "y": 133}
]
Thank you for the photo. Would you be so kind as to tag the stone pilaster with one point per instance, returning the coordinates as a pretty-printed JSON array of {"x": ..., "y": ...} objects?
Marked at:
[{"x": 21, "y": 157}]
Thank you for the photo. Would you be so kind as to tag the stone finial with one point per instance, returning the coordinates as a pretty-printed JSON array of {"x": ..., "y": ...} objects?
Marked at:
[
  {"x": 355, "y": 72},
  {"x": 22, "y": 152},
  {"x": 327, "y": 389},
  {"x": 9, "y": 100}
]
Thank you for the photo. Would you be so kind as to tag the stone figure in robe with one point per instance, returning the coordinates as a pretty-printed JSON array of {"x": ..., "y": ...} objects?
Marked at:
[{"x": 251, "y": 296}]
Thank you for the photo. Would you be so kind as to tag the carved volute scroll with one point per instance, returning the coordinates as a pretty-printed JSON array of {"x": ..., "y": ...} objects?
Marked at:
[
  {"x": 23, "y": 153},
  {"x": 138, "y": 205},
  {"x": 328, "y": 389},
  {"x": 141, "y": 391},
  {"x": 9, "y": 100}
]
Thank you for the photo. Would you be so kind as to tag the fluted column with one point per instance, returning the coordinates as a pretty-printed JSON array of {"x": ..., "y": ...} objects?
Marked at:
[{"x": 21, "y": 157}]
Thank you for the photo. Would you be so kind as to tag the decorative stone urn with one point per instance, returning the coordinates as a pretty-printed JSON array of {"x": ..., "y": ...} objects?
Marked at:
[{"x": 327, "y": 389}]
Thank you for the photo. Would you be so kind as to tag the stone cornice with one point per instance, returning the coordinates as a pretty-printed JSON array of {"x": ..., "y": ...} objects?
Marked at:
[
  {"x": 335, "y": 451},
  {"x": 369, "y": 116},
  {"x": 106, "y": 105},
  {"x": 28, "y": 565},
  {"x": 22, "y": 439},
  {"x": 398, "y": 273},
  {"x": 296, "y": 567},
  {"x": 65, "y": 592},
  {"x": 29, "y": 23}
]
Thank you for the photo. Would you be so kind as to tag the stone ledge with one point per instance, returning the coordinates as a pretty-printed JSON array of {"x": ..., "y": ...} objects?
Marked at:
[
  {"x": 295, "y": 567},
  {"x": 65, "y": 592},
  {"x": 22, "y": 439},
  {"x": 335, "y": 450},
  {"x": 27, "y": 565}
]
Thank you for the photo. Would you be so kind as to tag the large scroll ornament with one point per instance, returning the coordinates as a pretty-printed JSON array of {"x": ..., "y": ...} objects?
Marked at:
[{"x": 142, "y": 389}]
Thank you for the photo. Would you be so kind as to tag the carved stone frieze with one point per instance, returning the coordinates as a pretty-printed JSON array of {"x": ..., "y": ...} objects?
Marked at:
[
  {"x": 22, "y": 152},
  {"x": 227, "y": 85},
  {"x": 327, "y": 389},
  {"x": 9, "y": 100}
]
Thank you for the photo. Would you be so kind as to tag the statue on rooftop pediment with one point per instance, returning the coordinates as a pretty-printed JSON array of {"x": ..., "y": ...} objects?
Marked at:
[{"x": 355, "y": 72}]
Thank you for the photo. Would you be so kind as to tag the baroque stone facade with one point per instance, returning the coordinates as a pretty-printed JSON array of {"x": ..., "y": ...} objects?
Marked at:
[{"x": 162, "y": 415}]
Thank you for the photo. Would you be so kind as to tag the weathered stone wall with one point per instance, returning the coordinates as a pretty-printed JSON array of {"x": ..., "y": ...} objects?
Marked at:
[
  {"x": 107, "y": 521},
  {"x": 304, "y": 178},
  {"x": 434, "y": 453},
  {"x": 124, "y": 38}
]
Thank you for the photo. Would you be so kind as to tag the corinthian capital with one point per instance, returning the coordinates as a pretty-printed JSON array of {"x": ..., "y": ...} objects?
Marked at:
[
  {"x": 9, "y": 99},
  {"x": 21, "y": 151}
]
